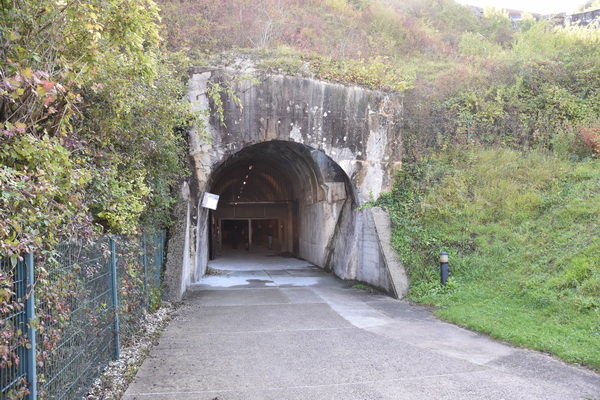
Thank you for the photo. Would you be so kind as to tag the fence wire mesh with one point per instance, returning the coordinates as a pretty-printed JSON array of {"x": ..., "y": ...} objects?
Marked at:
[
  {"x": 13, "y": 328},
  {"x": 75, "y": 316},
  {"x": 72, "y": 348}
]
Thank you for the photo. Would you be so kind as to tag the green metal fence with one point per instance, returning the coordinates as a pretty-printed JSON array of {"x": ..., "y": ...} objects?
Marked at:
[
  {"x": 16, "y": 303},
  {"x": 99, "y": 293}
]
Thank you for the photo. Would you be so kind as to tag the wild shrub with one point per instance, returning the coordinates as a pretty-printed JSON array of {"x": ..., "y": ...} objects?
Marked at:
[
  {"x": 90, "y": 111},
  {"x": 590, "y": 136}
]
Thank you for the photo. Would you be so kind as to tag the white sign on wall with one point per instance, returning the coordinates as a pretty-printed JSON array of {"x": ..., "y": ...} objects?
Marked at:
[{"x": 210, "y": 200}]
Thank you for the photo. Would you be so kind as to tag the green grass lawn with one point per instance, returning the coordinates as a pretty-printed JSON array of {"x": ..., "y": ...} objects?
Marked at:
[{"x": 523, "y": 233}]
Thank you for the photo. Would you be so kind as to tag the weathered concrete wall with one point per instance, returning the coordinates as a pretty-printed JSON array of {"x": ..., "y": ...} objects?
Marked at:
[
  {"x": 356, "y": 253},
  {"x": 317, "y": 226},
  {"x": 350, "y": 127},
  {"x": 358, "y": 128},
  {"x": 178, "y": 247},
  {"x": 397, "y": 273}
]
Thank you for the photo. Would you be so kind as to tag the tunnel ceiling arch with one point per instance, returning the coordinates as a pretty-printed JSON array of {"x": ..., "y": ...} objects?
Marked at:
[{"x": 276, "y": 171}]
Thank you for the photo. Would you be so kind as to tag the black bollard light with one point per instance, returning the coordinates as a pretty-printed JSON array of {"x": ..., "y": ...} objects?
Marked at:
[{"x": 444, "y": 267}]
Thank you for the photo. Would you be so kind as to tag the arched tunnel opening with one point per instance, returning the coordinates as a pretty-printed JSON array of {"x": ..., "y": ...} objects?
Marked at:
[
  {"x": 277, "y": 198},
  {"x": 297, "y": 199}
]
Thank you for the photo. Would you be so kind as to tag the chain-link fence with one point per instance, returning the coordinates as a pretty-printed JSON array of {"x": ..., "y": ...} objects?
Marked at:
[{"x": 78, "y": 288}]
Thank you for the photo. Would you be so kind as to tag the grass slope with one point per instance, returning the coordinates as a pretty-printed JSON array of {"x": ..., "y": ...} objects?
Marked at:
[{"x": 523, "y": 233}]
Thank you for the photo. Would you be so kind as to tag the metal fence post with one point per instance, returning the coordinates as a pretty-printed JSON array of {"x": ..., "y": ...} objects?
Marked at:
[
  {"x": 115, "y": 296},
  {"x": 30, "y": 358},
  {"x": 145, "y": 262},
  {"x": 159, "y": 251},
  {"x": 159, "y": 242}
]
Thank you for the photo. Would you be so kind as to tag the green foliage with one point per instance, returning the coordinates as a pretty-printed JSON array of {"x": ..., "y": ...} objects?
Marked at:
[
  {"x": 117, "y": 202},
  {"x": 146, "y": 131},
  {"x": 215, "y": 93},
  {"x": 521, "y": 230},
  {"x": 41, "y": 190},
  {"x": 366, "y": 288},
  {"x": 543, "y": 93},
  {"x": 475, "y": 44},
  {"x": 497, "y": 26},
  {"x": 155, "y": 299},
  {"x": 449, "y": 18},
  {"x": 92, "y": 117},
  {"x": 376, "y": 73}
]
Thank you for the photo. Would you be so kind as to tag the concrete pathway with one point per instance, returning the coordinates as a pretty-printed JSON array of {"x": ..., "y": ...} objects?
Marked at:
[{"x": 290, "y": 331}]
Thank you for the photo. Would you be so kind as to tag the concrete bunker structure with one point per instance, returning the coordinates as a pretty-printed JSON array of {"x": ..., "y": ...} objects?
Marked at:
[{"x": 292, "y": 159}]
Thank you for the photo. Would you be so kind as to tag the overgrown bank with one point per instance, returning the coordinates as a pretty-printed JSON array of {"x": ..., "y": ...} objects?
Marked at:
[
  {"x": 93, "y": 119},
  {"x": 523, "y": 233},
  {"x": 92, "y": 140}
]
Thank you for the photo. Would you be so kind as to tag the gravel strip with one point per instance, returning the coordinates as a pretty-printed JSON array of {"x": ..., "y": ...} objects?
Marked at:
[{"x": 115, "y": 379}]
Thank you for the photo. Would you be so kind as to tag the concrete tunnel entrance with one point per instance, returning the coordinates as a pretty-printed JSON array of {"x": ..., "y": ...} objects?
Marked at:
[
  {"x": 277, "y": 198},
  {"x": 318, "y": 150}
]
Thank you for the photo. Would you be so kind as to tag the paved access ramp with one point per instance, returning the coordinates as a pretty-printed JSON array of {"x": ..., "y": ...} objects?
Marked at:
[{"x": 278, "y": 328}]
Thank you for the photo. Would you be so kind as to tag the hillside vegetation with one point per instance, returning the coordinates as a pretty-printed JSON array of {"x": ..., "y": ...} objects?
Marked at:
[
  {"x": 466, "y": 79},
  {"x": 523, "y": 233},
  {"x": 92, "y": 113}
]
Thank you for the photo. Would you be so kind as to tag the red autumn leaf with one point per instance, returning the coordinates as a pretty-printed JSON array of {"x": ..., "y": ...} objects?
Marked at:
[{"x": 48, "y": 85}]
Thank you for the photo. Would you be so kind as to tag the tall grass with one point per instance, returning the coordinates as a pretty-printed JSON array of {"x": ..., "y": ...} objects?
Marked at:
[{"x": 523, "y": 233}]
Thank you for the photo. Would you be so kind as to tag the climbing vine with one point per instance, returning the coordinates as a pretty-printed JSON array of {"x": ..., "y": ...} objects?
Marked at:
[{"x": 216, "y": 91}]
